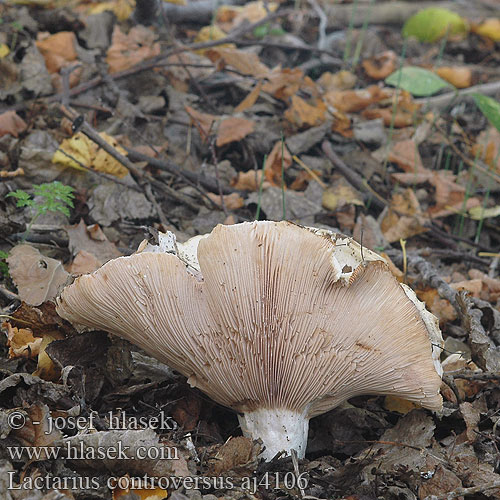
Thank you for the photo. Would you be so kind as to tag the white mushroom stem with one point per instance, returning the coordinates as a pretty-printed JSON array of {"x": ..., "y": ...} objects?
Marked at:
[{"x": 279, "y": 430}]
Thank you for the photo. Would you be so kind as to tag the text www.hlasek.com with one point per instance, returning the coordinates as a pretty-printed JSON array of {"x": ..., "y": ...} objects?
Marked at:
[{"x": 81, "y": 452}]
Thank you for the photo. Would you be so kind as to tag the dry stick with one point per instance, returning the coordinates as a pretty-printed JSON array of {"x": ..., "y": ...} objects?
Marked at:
[
  {"x": 141, "y": 176},
  {"x": 352, "y": 177},
  {"x": 158, "y": 60},
  {"x": 464, "y": 491},
  {"x": 191, "y": 177},
  {"x": 442, "y": 101}
]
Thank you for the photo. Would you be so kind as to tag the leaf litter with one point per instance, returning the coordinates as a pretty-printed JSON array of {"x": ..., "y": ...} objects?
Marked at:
[{"x": 198, "y": 124}]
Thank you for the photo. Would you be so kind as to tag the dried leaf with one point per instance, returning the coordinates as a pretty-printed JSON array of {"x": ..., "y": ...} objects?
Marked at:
[
  {"x": 128, "y": 50},
  {"x": 246, "y": 63},
  {"x": 459, "y": 76},
  {"x": 83, "y": 150},
  {"x": 250, "y": 99},
  {"x": 406, "y": 155},
  {"x": 304, "y": 115},
  {"x": 350, "y": 101},
  {"x": 11, "y": 123},
  {"x": 381, "y": 66},
  {"x": 58, "y": 50},
  {"x": 233, "y": 129},
  {"x": 203, "y": 122},
  {"x": 232, "y": 201},
  {"x": 342, "y": 80},
  {"x": 249, "y": 181},
  {"x": 279, "y": 159},
  {"x": 121, "y": 8},
  {"x": 21, "y": 342},
  {"x": 38, "y": 278}
]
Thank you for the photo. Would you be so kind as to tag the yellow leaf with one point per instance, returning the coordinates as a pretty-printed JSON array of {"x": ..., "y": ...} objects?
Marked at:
[
  {"x": 479, "y": 213},
  {"x": 211, "y": 33},
  {"x": 104, "y": 162},
  {"x": 4, "y": 50},
  {"x": 46, "y": 368},
  {"x": 86, "y": 152},
  {"x": 177, "y": 2},
  {"x": 490, "y": 29},
  {"x": 80, "y": 147},
  {"x": 121, "y": 8}
]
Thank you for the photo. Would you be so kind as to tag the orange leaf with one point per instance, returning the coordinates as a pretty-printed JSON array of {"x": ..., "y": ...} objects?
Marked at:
[
  {"x": 303, "y": 115},
  {"x": 246, "y": 63},
  {"x": 232, "y": 201},
  {"x": 355, "y": 100},
  {"x": 233, "y": 129},
  {"x": 249, "y": 181},
  {"x": 380, "y": 67},
  {"x": 58, "y": 50}
]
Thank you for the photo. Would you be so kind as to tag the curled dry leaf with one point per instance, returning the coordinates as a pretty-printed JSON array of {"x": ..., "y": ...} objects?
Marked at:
[
  {"x": 459, "y": 76},
  {"x": 58, "y": 50},
  {"x": 21, "y": 342},
  {"x": 279, "y": 159},
  {"x": 406, "y": 110},
  {"x": 128, "y": 50},
  {"x": 342, "y": 80},
  {"x": 487, "y": 147},
  {"x": 246, "y": 63},
  {"x": 351, "y": 101},
  {"x": 38, "y": 278},
  {"x": 233, "y": 129},
  {"x": 406, "y": 155},
  {"x": 11, "y": 123},
  {"x": 249, "y": 181},
  {"x": 381, "y": 66},
  {"x": 232, "y": 201},
  {"x": 284, "y": 83},
  {"x": 303, "y": 115},
  {"x": 121, "y": 8}
]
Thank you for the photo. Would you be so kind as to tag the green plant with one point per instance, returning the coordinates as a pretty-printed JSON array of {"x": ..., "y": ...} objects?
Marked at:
[{"x": 55, "y": 197}]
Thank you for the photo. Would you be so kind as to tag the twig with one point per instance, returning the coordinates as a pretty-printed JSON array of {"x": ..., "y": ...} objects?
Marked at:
[
  {"x": 8, "y": 294},
  {"x": 441, "y": 101},
  {"x": 352, "y": 177}
]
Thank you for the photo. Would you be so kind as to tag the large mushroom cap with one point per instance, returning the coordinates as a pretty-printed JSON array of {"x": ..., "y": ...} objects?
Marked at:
[{"x": 278, "y": 317}]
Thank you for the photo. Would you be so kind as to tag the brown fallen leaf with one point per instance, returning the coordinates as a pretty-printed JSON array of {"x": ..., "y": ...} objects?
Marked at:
[
  {"x": 203, "y": 122},
  {"x": 487, "y": 147},
  {"x": 459, "y": 76},
  {"x": 381, "y": 66},
  {"x": 38, "y": 278},
  {"x": 441, "y": 308},
  {"x": 278, "y": 160},
  {"x": 474, "y": 286},
  {"x": 246, "y": 63},
  {"x": 232, "y": 201},
  {"x": 233, "y": 129},
  {"x": 351, "y": 101},
  {"x": 21, "y": 342},
  {"x": 302, "y": 115},
  {"x": 342, "y": 80},
  {"x": 405, "y": 115},
  {"x": 128, "y": 50},
  {"x": 406, "y": 155},
  {"x": 283, "y": 83},
  {"x": 58, "y": 50},
  {"x": 249, "y": 181},
  {"x": 11, "y": 123},
  {"x": 250, "y": 99}
]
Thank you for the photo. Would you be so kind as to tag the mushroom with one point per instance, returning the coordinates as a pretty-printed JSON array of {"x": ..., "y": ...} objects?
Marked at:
[{"x": 277, "y": 321}]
